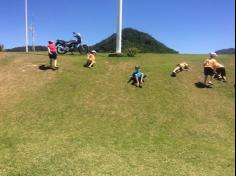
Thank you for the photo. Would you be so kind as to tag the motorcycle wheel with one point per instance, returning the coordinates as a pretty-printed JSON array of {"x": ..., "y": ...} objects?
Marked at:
[
  {"x": 83, "y": 49},
  {"x": 60, "y": 50}
]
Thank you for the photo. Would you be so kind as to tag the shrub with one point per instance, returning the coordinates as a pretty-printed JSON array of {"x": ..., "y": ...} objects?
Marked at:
[{"x": 131, "y": 52}]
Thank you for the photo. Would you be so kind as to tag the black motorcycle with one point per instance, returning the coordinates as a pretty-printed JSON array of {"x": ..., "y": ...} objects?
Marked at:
[{"x": 72, "y": 45}]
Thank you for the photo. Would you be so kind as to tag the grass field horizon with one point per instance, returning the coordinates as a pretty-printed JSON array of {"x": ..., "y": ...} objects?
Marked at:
[{"x": 79, "y": 121}]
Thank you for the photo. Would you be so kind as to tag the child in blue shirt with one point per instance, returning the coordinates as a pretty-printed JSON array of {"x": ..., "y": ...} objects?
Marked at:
[{"x": 137, "y": 77}]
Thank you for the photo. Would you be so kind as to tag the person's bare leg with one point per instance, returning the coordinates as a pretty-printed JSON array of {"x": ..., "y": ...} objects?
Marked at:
[
  {"x": 224, "y": 75},
  {"x": 141, "y": 81},
  {"x": 91, "y": 64},
  {"x": 205, "y": 80},
  {"x": 210, "y": 81},
  {"x": 53, "y": 63},
  {"x": 137, "y": 82},
  {"x": 176, "y": 70},
  {"x": 50, "y": 63},
  {"x": 224, "y": 78},
  {"x": 56, "y": 63}
]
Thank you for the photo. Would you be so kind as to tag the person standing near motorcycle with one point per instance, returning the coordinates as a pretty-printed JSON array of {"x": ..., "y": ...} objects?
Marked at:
[
  {"x": 78, "y": 36},
  {"x": 52, "y": 53}
]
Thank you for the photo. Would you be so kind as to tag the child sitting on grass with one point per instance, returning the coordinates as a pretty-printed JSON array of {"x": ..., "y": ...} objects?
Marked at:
[
  {"x": 179, "y": 68},
  {"x": 137, "y": 77},
  {"x": 91, "y": 59}
]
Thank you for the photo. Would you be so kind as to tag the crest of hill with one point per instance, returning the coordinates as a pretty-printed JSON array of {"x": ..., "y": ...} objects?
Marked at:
[
  {"x": 22, "y": 48},
  {"x": 226, "y": 51},
  {"x": 132, "y": 38}
]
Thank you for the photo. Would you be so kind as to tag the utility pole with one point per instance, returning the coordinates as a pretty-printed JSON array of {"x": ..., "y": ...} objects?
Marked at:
[
  {"x": 26, "y": 27},
  {"x": 32, "y": 30},
  {"x": 119, "y": 30}
]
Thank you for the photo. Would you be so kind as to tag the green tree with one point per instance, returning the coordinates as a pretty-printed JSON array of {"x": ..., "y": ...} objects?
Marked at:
[{"x": 1, "y": 47}]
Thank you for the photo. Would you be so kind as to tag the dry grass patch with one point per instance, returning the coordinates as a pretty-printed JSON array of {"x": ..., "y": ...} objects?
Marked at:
[{"x": 21, "y": 77}]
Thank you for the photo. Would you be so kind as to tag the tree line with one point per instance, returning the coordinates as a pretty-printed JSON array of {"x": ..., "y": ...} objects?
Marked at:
[{"x": 1, "y": 47}]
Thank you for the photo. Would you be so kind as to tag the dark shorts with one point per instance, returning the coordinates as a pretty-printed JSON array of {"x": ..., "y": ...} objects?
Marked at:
[
  {"x": 221, "y": 71},
  {"x": 133, "y": 77},
  {"x": 53, "y": 55},
  {"x": 139, "y": 79},
  {"x": 134, "y": 80},
  {"x": 208, "y": 71}
]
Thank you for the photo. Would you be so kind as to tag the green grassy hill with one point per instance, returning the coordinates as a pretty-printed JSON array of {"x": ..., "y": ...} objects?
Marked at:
[
  {"x": 226, "y": 51},
  {"x": 79, "y": 121},
  {"x": 132, "y": 38}
]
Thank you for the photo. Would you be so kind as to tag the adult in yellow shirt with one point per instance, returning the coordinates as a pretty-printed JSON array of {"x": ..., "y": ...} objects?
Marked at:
[
  {"x": 209, "y": 65},
  {"x": 91, "y": 59},
  {"x": 179, "y": 68},
  {"x": 220, "y": 71}
]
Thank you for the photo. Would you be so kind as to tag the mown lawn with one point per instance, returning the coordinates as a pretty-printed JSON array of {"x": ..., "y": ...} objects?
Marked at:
[{"x": 79, "y": 121}]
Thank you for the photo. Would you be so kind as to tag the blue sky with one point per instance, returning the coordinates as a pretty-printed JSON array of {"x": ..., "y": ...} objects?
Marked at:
[{"x": 188, "y": 26}]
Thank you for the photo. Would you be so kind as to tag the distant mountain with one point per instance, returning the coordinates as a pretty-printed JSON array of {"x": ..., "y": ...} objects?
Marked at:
[
  {"x": 226, "y": 51},
  {"x": 22, "y": 49},
  {"x": 132, "y": 38}
]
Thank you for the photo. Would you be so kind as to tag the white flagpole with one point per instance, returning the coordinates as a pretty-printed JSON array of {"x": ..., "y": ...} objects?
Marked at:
[
  {"x": 26, "y": 27},
  {"x": 119, "y": 30}
]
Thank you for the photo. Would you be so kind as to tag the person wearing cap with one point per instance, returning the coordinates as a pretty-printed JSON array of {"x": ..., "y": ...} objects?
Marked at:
[
  {"x": 179, "y": 68},
  {"x": 91, "y": 59},
  {"x": 209, "y": 65},
  {"x": 78, "y": 36},
  {"x": 220, "y": 71},
  {"x": 52, "y": 53},
  {"x": 137, "y": 77}
]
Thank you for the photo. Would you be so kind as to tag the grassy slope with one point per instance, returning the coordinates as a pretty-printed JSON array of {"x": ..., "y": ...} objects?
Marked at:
[{"x": 91, "y": 122}]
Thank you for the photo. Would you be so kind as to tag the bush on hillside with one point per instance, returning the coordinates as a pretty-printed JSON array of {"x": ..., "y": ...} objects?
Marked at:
[{"x": 131, "y": 52}]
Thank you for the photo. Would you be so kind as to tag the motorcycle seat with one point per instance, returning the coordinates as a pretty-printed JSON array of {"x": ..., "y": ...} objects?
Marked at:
[
  {"x": 61, "y": 41},
  {"x": 70, "y": 42}
]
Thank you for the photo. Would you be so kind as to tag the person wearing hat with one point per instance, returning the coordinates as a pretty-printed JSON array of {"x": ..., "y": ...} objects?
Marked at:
[
  {"x": 52, "y": 53},
  {"x": 179, "y": 68},
  {"x": 220, "y": 72},
  {"x": 91, "y": 59},
  {"x": 137, "y": 77},
  {"x": 209, "y": 65}
]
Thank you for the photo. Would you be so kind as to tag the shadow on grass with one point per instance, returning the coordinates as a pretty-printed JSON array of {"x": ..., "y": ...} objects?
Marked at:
[
  {"x": 200, "y": 85},
  {"x": 86, "y": 65},
  {"x": 133, "y": 83},
  {"x": 44, "y": 67}
]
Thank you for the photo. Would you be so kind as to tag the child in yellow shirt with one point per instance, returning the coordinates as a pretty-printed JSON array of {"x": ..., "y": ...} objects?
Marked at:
[
  {"x": 209, "y": 65},
  {"x": 220, "y": 71},
  {"x": 91, "y": 59},
  {"x": 179, "y": 68}
]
